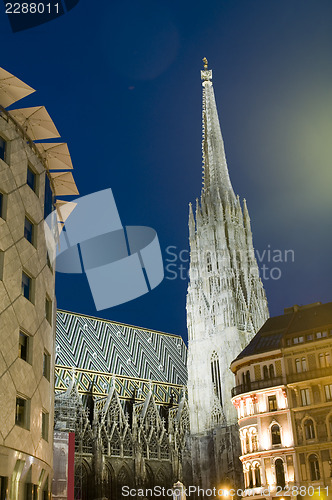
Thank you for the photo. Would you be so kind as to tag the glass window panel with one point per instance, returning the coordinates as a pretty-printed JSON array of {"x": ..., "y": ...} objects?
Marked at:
[
  {"x": 31, "y": 179},
  {"x": 48, "y": 200},
  {"x": 298, "y": 366},
  {"x": 21, "y": 406},
  {"x": 314, "y": 468},
  {"x": 45, "y": 419},
  {"x": 26, "y": 286},
  {"x": 28, "y": 230},
  {"x": 275, "y": 433},
  {"x": 46, "y": 365},
  {"x": 48, "y": 310},
  {"x": 280, "y": 473},
  {"x": 309, "y": 429},
  {"x": 2, "y": 148},
  {"x": 328, "y": 392},
  {"x": 23, "y": 346},
  {"x": 304, "y": 364},
  {"x": 272, "y": 403},
  {"x": 305, "y": 397}
]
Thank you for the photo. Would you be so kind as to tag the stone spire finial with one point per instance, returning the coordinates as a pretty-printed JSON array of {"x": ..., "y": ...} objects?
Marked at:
[{"x": 206, "y": 74}]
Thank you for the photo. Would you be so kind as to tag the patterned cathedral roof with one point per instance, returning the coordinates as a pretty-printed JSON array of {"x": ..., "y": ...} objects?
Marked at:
[{"x": 100, "y": 345}]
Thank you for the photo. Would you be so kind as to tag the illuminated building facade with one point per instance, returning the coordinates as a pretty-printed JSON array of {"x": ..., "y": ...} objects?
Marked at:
[{"x": 284, "y": 404}]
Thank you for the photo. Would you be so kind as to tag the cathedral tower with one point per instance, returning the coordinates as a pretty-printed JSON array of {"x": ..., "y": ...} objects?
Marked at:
[{"x": 226, "y": 302}]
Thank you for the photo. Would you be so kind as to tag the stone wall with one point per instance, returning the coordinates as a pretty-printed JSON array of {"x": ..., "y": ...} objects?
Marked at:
[{"x": 26, "y": 359}]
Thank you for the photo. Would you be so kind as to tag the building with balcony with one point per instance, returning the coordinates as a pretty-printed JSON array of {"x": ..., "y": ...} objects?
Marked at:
[{"x": 284, "y": 402}]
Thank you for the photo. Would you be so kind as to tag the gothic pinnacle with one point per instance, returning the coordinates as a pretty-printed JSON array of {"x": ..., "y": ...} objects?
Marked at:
[
  {"x": 245, "y": 210},
  {"x": 191, "y": 222},
  {"x": 246, "y": 217}
]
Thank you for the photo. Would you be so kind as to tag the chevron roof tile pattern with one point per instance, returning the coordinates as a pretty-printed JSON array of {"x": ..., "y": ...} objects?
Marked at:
[
  {"x": 100, "y": 345},
  {"x": 99, "y": 384}
]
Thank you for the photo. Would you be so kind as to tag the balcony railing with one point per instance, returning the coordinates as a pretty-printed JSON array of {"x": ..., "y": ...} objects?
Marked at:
[
  {"x": 311, "y": 374},
  {"x": 273, "y": 382},
  {"x": 256, "y": 385}
]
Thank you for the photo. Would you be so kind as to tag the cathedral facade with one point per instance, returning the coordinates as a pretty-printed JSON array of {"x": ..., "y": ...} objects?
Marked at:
[
  {"x": 131, "y": 429},
  {"x": 226, "y": 305},
  {"x": 143, "y": 414}
]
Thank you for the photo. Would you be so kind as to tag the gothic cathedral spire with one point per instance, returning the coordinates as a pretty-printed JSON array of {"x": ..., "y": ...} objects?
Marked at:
[
  {"x": 226, "y": 302},
  {"x": 215, "y": 172}
]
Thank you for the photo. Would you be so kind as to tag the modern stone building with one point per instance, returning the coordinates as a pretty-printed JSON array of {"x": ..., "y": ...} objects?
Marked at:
[
  {"x": 27, "y": 301},
  {"x": 226, "y": 305},
  {"x": 284, "y": 403}
]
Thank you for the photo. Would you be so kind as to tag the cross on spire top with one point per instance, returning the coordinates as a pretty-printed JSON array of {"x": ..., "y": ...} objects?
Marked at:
[{"x": 206, "y": 74}]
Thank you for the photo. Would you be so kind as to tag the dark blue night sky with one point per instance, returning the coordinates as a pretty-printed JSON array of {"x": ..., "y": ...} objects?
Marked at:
[{"x": 121, "y": 81}]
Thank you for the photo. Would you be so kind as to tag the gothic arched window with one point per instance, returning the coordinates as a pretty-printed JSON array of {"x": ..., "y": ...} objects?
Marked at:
[
  {"x": 123, "y": 478},
  {"x": 257, "y": 473},
  {"x": 82, "y": 481},
  {"x": 280, "y": 473},
  {"x": 309, "y": 429},
  {"x": 314, "y": 468},
  {"x": 251, "y": 482},
  {"x": 275, "y": 434},
  {"x": 208, "y": 262},
  {"x": 215, "y": 372}
]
